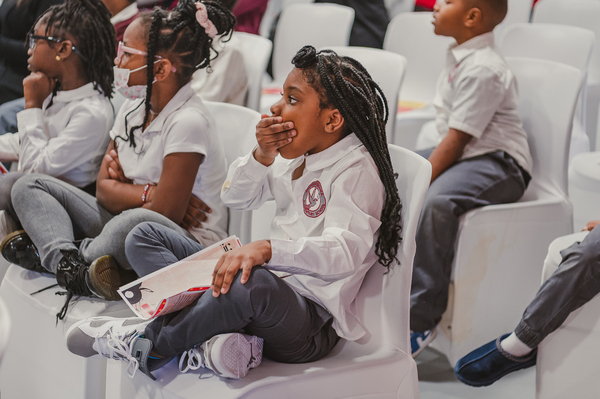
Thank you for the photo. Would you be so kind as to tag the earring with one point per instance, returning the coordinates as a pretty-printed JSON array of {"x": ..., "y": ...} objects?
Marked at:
[{"x": 57, "y": 58}]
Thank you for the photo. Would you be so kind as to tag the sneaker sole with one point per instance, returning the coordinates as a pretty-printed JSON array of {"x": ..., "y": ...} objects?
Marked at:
[
  {"x": 106, "y": 277},
  {"x": 235, "y": 355},
  {"x": 426, "y": 343}
]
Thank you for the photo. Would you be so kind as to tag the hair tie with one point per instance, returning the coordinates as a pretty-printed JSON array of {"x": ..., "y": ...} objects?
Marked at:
[{"x": 202, "y": 18}]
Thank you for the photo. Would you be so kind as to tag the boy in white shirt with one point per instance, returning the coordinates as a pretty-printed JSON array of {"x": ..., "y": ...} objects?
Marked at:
[{"x": 482, "y": 157}]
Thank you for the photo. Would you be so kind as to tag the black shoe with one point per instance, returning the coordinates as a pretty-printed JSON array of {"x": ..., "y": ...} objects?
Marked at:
[
  {"x": 72, "y": 275},
  {"x": 18, "y": 248}
]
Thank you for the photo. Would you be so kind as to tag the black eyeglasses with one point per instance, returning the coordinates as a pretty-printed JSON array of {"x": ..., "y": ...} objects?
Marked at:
[{"x": 31, "y": 39}]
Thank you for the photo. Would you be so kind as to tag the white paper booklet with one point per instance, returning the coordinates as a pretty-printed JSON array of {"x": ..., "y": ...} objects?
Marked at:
[{"x": 178, "y": 285}]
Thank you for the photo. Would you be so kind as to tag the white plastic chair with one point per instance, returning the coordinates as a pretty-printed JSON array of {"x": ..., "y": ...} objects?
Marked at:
[
  {"x": 5, "y": 326},
  {"x": 320, "y": 25},
  {"x": 585, "y": 14},
  {"x": 519, "y": 12},
  {"x": 256, "y": 51},
  {"x": 237, "y": 127},
  {"x": 395, "y": 7},
  {"x": 500, "y": 248},
  {"x": 377, "y": 366},
  {"x": 411, "y": 35},
  {"x": 37, "y": 363},
  {"x": 569, "y": 45},
  {"x": 567, "y": 360},
  {"x": 387, "y": 70}
]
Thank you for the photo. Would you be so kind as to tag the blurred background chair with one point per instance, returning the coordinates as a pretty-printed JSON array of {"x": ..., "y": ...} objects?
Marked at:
[{"x": 4, "y": 328}]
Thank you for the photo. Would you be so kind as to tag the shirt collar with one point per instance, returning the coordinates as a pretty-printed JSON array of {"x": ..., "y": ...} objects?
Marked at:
[
  {"x": 332, "y": 154},
  {"x": 462, "y": 51},
  {"x": 84, "y": 91},
  {"x": 180, "y": 98},
  {"x": 125, "y": 14}
]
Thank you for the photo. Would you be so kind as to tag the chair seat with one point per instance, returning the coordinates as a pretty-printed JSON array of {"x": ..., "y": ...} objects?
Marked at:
[
  {"x": 37, "y": 363},
  {"x": 346, "y": 376}
]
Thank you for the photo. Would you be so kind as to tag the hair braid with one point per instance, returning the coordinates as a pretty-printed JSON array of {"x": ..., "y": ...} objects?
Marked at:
[
  {"x": 178, "y": 36},
  {"x": 88, "y": 23},
  {"x": 343, "y": 83}
]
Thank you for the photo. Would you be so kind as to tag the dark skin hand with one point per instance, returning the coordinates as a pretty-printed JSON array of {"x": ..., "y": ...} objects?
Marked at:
[{"x": 448, "y": 152}]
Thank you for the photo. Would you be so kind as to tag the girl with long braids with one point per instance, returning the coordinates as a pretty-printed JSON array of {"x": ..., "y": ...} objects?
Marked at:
[
  {"x": 63, "y": 130},
  {"x": 165, "y": 162},
  {"x": 338, "y": 213}
]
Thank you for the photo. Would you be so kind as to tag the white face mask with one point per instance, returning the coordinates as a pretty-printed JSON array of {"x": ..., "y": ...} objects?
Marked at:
[{"x": 121, "y": 80}]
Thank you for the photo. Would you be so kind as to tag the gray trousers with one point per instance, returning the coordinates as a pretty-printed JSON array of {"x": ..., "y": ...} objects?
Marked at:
[
  {"x": 295, "y": 329},
  {"x": 7, "y": 181},
  {"x": 574, "y": 283},
  {"x": 493, "y": 178},
  {"x": 55, "y": 214}
]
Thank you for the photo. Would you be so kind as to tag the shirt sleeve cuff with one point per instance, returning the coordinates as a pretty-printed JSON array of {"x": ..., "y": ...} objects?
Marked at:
[
  {"x": 463, "y": 127},
  {"x": 29, "y": 119},
  {"x": 253, "y": 169},
  {"x": 282, "y": 253}
]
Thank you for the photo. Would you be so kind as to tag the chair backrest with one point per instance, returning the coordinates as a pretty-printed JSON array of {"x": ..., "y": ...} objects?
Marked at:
[
  {"x": 384, "y": 299},
  {"x": 387, "y": 70},
  {"x": 395, "y": 7},
  {"x": 519, "y": 12},
  {"x": 548, "y": 94},
  {"x": 411, "y": 35},
  {"x": 581, "y": 13},
  {"x": 237, "y": 127},
  {"x": 320, "y": 25},
  {"x": 4, "y": 328},
  {"x": 256, "y": 51},
  {"x": 569, "y": 45}
]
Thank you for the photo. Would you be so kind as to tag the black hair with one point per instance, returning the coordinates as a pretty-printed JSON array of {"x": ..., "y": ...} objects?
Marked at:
[
  {"x": 178, "y": 35},
  {"x": 494, "y": 11},
  {"x": 343, "y": 83},
  {"x": 88, "y": 22}
]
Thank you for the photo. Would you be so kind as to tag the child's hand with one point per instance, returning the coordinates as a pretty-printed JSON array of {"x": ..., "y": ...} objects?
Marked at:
[
  {"x": 590, "y": 226},
  {"x": 245, "y": 258},
  {"x": 272, "y": 134},
  {"x": 195, "y": 213},
  {"x": 36, "y": 87},
  {"x": 115, "y": 171}
]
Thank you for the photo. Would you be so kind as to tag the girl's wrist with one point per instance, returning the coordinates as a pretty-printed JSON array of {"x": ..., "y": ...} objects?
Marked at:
[{"x": 259, "y": 156}]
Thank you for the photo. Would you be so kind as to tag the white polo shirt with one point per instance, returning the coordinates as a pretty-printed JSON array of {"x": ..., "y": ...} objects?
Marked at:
[
  {"x": 477, "y": 94},
  {"x": 66, "y": 140},
  {"x": 184, "y": 125},
  {"x": 327, "y": 222}
]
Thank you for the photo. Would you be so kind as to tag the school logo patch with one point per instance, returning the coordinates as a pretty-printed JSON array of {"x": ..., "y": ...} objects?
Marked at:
[{"x": 314, "y": 200}]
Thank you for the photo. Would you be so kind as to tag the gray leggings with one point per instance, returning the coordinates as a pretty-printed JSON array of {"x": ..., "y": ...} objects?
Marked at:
[
  {"x": 295, "y": 329},
  {"x": 55, "y": 214}
]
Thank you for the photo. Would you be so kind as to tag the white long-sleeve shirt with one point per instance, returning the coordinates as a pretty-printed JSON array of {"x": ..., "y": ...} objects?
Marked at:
[
  {"x": 66, "y": 140},
  {"x": 326, "y": 225}
]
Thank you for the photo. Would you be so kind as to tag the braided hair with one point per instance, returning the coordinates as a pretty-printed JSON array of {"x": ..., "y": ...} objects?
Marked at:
[
  {"x": 343, "y": 83},
  {"x": 88, "y": 22},
  {"x": 180, "y": 38}
]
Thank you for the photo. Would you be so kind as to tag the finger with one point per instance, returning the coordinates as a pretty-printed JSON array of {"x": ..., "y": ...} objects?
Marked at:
[
  {"x": 276, "y": 128},
  {"x": 246, "y": 269},
  {"x": 196, "y": 214},
  {"x": 268, "y": 121},
  {"x": 113, "y": 175},
  {"x": 230, "y": 274},
  {"x": 276, "y": 137},
  {"x": 113, "y": 154},
  {"x": 218, "y": 276},
  {"x": 199, "y": 204},
  {"x": 190, "y": 221}
]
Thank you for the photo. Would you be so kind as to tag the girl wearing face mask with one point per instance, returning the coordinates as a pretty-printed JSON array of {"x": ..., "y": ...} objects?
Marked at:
[{"x": 164, "y": 161}]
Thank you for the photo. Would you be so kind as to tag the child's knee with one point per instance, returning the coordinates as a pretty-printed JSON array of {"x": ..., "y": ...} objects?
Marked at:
[{"x": 141, "y": 235}]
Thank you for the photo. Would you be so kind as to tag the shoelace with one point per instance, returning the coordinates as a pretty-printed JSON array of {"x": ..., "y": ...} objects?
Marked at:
[
  {"x": 75, "y": 285},
  {"x": 191, "y": 359},
  {"x": 118, "y": 348}
]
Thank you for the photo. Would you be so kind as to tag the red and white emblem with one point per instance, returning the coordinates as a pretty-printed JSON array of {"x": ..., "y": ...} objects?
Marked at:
[{"x": 314, "y": 200}]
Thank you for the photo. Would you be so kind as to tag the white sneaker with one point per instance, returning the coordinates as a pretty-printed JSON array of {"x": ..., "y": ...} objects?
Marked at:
[
  {"x": 228, "y": 355},
  {"x": 112, "y": 338}
]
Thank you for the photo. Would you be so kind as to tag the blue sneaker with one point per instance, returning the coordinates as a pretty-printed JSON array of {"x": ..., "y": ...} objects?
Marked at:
[
  {"x": 420, "y": 340},
  {"x": 488, "y": 363}
]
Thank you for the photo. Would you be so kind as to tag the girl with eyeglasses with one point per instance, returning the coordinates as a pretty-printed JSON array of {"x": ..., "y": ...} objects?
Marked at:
[
  {"x": 63, "y": 130},
  {"x": 165, "y": 162}
]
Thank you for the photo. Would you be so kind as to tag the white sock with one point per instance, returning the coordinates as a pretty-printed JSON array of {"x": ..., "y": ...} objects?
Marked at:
[{"x": 513, "y": 345}]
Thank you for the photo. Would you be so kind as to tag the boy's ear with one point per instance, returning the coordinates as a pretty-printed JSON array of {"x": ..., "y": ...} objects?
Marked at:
[
  {"x": 162, "y": 69},
  {"x": 334, "y": 121},
  {"x": 473, "y": 17},
  {"x": 65, "y": 48}
]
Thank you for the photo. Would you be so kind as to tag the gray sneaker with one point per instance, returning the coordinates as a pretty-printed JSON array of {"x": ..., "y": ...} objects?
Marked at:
[
  {"x": 120, "y": 339},
  {"x": 228, "y": 355}
]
